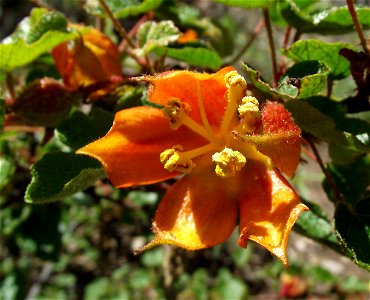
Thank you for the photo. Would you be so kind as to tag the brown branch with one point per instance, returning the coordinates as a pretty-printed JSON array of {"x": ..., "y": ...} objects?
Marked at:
[
  {"x": 266, "y": 17},
  {"x": 352, "y": 11},
  {"x": 329, "y": 179},
  {"x": 122, "y": 32}
]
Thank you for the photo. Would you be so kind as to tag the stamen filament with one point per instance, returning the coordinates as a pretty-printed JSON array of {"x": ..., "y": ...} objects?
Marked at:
[
  {"x": 203, "y": 115},
  {"x": 197, "y": 151},
  {"x": 191, "y": 124}
]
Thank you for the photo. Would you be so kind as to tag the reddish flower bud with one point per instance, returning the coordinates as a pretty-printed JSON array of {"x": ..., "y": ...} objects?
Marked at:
[{"x": 44, "y": 102}]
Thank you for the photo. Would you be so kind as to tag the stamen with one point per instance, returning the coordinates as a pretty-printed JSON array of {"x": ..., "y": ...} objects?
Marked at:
[
  {"x": 228, "y": 162},
  {"x": 203, "y": 114},
  {"x": 249, "y": 113},
  {"x": 174, "y": 159},
  {"x": 236, "y": 86},
  {"x": 175, "y": 112}
]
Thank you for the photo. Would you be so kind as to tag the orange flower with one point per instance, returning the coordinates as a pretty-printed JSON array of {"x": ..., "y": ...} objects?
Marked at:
[
  {"x": 90, "y": 59},
  {"x": 189, "y": 35},
  {"x": 227, "y": 151}
]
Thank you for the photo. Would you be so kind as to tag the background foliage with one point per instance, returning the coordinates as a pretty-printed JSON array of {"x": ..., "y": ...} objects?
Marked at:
[{"x": 308, "y": 55}]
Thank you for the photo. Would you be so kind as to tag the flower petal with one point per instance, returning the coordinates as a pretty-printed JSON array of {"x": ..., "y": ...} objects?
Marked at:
[
  {"x": 269, "y": 208},
  {"x": 199, "y": 211},
  {"x": 281, "y": 138},
  {"x": 93, "y": 58},
  {"x": 130, "y": 151},
  {"x": 183, "y": 85}
]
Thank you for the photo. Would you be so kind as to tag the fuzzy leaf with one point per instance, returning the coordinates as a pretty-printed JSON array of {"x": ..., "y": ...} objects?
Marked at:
[
  {"x": 304, "y": 79},
  {"x": 336, "y": 20},
  {"x": 196, "y": 56},
  {"x": 122, "y": 9},
  {"x": 246, "y": 4},
  {"x": 152, "y": 34},
  {"x": 327, "y": 53},
  {"x": 35, "y": 35},
  {"x": 60, "y": 174},
  {"x": 353, "y": 229},
  {"x": 315, "y": 225},
  {"x": 80, "y": 129}
]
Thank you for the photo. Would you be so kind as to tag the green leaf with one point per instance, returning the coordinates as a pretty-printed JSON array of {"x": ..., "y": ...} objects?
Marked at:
[
  {"x": 228, "y": 286},
  {"x": 353, "y": 229},
  {"x": 7, "y": 167},
  {"x": 20, "y": 53},
  {"x": 327, "y": 53},
  {"x": 80, "y": 129},
  {"x": 352, "y": 180},
  {"x": 195, "y": 56},
  {"x": 152, "y": 34},
  {"x": 246, "y": 4},
  {"x": 35, "y": 35},
  {"x": 336, "y": 20},
  {"x": 315, "y": 225},
  {"x": 313, "y": 121},
  {"x": 304, "y": 79},
  {"x": 300, "y": 81},
  {"x": 60, "y": 174},
  {"x": 122, "y": 9}
]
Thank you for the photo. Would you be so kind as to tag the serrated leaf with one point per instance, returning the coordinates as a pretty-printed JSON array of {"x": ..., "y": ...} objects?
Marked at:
[
  {"x": 336, "y": 20},
  {"x": 315, "y": 225},
  {"x": 327, "y": 53},
  {"x": 36, "y": 34},
  {"x": 122, "y": 9},
  {"x": 60, "y": 174},
  {"x": 195, "y": 56},
  {"x": 20, "y": 53},
  {"x": 247, "y": 4},
  {"x": 353, "y": 229},
  {"x": 152, "y": 34},
  {"x": 301, "y": 81},
  {"x": 353, "y": 181},
  {"x": 313, "y": 121},
  {"x": 304, "y": 79},
  {"x": 81, "y": 129}
]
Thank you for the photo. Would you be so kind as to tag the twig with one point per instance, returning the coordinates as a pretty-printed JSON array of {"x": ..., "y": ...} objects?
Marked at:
[
  {"x": 10, "y": 85},
  {"x": 352, "y": 11},
  {"x": 122, "y": 32},
  {"x": 249, "y": 43},
  {"x": 297, "y": 35},
  {"x": 329, "y": 179},
  {"x": 330, "y": 87},
  {"x": 40, "y": 280},
  {"x": 266, "y": 17}
]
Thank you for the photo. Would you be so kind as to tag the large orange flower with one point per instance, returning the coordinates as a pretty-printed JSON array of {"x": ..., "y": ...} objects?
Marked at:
[{"x": 227, "y": 150}]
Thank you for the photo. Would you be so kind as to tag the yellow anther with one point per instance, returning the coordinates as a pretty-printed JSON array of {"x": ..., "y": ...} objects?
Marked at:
[
  {"x": 249, "y": 107},
  {"x": 236, "y": 87},
  {"x": 233, "y": 79},
  {"x": 172, "y": 112},
  {"x": 172, "y": 161},
  {"x": 228, "y": 162}
]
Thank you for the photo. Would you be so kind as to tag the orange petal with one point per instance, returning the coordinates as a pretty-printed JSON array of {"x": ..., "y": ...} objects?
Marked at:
[
  {"x": 189, "y": 35},
  {"x": 183, "y": 85},
  {"x": 92, "y": 58},
  {"x": 130, "y": 151},
  {"x": 281, "y": 139},
  {"x": 269, "y": 208},
  {"x": 199, "y": 211}
]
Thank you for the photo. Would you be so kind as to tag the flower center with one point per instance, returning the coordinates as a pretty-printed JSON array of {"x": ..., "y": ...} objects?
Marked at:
[{"x": 240, "y": 115}]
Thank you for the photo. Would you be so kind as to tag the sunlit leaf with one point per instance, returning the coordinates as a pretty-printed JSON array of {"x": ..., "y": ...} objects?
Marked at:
[{"x": 327, "y": 53}]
